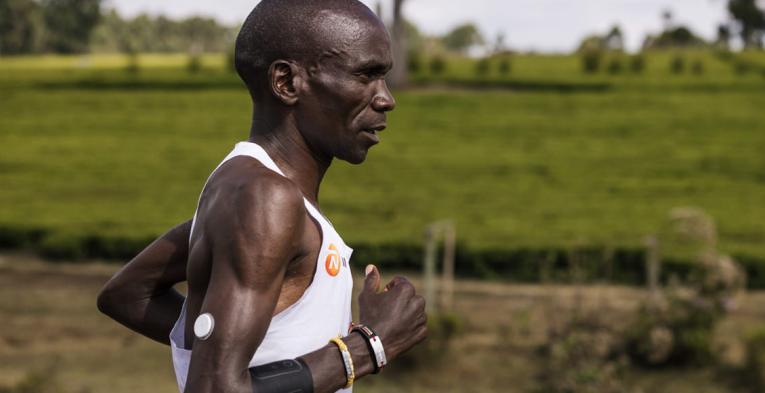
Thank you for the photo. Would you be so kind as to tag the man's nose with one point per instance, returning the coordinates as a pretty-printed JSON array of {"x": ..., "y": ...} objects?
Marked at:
[{"x": 383, "y": 100}]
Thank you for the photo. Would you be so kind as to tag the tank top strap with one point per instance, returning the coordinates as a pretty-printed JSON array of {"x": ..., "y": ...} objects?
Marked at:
[{"x": 257, "y": 152}]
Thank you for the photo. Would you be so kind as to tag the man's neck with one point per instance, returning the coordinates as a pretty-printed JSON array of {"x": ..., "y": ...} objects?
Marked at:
[{"x": 289, "y": 150}]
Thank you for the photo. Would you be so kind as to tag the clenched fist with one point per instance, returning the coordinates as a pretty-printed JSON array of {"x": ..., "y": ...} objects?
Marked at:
[{"x": 396, "y": 314}]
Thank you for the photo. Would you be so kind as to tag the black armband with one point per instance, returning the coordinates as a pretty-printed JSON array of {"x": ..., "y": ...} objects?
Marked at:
[{"x": 292, "y": 376}]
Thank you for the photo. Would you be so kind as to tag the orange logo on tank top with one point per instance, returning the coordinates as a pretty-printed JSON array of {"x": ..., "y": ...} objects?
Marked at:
[{"x": 332, "y": 263}]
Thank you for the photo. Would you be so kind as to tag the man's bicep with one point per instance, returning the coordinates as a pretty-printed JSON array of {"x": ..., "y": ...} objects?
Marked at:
[
  {"x": 241, "y": 301},
  {"x": 241, "y": 315}
]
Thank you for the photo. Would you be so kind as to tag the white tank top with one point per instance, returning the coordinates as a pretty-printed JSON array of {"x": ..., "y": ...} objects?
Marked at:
[{"x": 322, "y": 312}]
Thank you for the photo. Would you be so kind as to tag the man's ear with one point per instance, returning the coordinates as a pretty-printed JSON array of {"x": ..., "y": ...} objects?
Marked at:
[{"x": 285, "y": 80}]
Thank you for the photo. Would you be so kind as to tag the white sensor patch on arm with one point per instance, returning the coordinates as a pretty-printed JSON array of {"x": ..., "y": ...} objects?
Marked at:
[{"x": 204, "y": 325}]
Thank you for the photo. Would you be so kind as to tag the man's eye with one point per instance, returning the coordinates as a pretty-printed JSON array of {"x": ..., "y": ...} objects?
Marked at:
[
  {"x": 371, "y": 74},
  {"x": 366, "y": 74}
]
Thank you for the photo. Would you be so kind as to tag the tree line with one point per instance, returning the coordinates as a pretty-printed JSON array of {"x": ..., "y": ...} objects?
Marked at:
[{"x": 80, "y": 26}]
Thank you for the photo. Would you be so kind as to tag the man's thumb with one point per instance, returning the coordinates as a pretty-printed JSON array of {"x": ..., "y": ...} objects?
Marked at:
[{"x": 372, "y": 280}]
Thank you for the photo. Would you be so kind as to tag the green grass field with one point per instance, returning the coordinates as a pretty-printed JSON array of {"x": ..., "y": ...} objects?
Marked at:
[{"x": 90, "y": 149}]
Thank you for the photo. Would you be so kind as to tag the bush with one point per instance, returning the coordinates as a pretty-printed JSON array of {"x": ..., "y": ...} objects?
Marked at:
[
  {"x": 504, "y": 67},
  {"x": 582, "y": 354},
  {"x": 133, "y": 67},
  {"x": 677, "y": 65},
  {"x": 623, "y": 265},
  {"x": 698, "y": 67},
  {"x": 591, "y": 59},
  {"x": 678, "y": 328},
  {"x": 637, "y": 63},
  {"x": 742, "y": 67},
  {"x": 230, "y": 60},
  {"x": 615, "y": 65},
  {"x": 676, "y": 331},
  {"x": 482, "y": 67},
  {"x": 70, "y": 247},
  {"x": 414, "y": 62},
  {"x": 60, "y": 246},
  {"x": 194, "y": 64},
  {"x": 724, "y": 55},
  {"x": 20, "y": 238},
  {"x": 437, "y": 65},
  {"x": 754, "y": 367}
]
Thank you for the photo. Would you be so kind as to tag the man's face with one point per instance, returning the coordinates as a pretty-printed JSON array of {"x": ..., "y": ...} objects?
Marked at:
[{"x": 346, "y": 102}]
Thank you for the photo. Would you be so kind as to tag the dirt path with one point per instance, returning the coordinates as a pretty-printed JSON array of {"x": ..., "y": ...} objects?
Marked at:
[{"x": 51, "y": 327}]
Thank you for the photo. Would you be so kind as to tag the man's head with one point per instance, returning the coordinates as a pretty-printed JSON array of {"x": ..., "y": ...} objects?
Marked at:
[{"x": 323, "y": 64}]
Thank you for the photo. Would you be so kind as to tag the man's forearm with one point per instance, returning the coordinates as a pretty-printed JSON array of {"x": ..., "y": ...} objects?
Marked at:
[
  {"x": 152, "y": 317},
  {"x": 141, "y": 295}
]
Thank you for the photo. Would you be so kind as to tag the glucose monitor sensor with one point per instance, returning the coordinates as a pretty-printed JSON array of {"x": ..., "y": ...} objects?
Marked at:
[{"x": 204, "y": 325}]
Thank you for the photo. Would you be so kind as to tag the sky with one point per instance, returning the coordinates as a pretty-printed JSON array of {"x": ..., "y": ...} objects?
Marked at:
[{"x": 539, "y": 25}]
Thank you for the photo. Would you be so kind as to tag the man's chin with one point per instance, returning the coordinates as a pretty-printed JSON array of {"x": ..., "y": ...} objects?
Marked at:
[{"x": 356, "y": 157}]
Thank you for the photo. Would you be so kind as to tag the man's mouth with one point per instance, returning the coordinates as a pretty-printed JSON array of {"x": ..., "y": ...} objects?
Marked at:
[
  {"x": 374, "y": 129},
  {"x": 371, "y": 132}
]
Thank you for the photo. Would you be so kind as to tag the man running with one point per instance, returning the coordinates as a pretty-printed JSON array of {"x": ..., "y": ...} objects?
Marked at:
[{"x": 269, "y": 281}]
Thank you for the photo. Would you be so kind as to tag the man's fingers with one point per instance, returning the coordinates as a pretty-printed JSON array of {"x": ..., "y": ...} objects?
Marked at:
[
  {"x": 401, "y": 284},
  {"x": 372, "y": 280},
  {"x": 418, "y": 302}
]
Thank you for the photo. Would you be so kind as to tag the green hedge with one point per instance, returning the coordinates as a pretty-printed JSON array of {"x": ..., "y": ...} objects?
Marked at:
[{"x": 590, "y": 264}]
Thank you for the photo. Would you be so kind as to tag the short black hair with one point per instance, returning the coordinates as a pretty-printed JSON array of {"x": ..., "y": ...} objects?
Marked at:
[{"x": 288, "y": 30}]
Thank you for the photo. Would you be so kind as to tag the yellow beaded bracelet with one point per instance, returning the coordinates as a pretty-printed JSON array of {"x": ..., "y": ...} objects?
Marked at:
[{"x": 350, "y": 373}]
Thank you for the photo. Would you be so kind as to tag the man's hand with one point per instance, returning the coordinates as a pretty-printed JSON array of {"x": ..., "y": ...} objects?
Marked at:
[{"x": 397, "y": 315}]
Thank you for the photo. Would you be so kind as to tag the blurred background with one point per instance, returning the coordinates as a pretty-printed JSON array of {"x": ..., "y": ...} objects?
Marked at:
[{"x": 577, "y": 186}]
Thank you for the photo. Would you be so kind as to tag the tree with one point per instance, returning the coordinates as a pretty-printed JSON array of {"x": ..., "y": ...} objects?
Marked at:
[
  {"x": 614, "y": 40},
  {"x": 499, "y": 44},
  {"x": 591, "y": 43},
  {"x": 751, "y": 21},
  {"x": 668, "y": 18},
  {"x": 723, "y": 36},
  {"x": 145, "y": 33},
  {"x": 70, "y": 23},
  {"x": 399, "y": 76},
  {"x": 202, "y": 33},
  {"x": 463, "y": 37},
  {"x": 415, "y": 43},
  {"x": 677, "y": 37},
  {"x": 20, "y": 26}
]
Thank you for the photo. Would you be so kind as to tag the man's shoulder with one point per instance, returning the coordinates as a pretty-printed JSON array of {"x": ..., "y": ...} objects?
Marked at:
[
  {"x": 249, "y": 191},
  {"x": 252, "y": 216}
]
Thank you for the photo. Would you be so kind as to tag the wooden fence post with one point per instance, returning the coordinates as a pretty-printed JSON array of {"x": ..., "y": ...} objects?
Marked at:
[
  {"x": 652, "y": 265},
  {"x": 447, "y": 281},
  {"x": 430, "y": 267}
]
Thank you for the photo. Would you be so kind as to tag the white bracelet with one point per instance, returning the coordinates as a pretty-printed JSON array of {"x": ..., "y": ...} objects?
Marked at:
[
  {"x": 379, "y": 351},
  {"x": 375, "y": 345}
]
